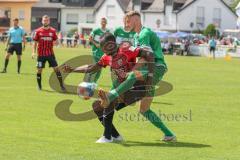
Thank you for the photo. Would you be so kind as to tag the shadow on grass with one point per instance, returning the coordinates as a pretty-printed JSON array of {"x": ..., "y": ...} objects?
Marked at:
[
  {"x": 28, "y": 74},
  {"x": 163, "y": 144},
  {"x": 49, "y": 91},
  {"x": 104, "y": 86},
  {"x": 164, "y": 103},
  {"x": 61, "y": 92}
]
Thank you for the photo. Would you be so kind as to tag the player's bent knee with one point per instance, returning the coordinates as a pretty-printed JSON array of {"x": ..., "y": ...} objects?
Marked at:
[
  {"x": 8, "y": 56},
  {"x": 56, "y": 69},
  {"x": 145, "y": 104},
  {"x": 143, "y": 110},
  {"x": 39, "y": 70},
  {"x": 97, "y": 108},
  {"x": 138, "y": 75}
]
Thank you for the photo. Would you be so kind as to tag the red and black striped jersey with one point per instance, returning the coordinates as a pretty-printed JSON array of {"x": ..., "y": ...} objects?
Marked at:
[
  {"x": 121, "y": 63},
  {"x": 45, "y": 39}
]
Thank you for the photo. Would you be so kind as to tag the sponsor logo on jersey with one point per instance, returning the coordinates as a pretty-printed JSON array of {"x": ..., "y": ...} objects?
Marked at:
[{"x": 46, "y": 38}]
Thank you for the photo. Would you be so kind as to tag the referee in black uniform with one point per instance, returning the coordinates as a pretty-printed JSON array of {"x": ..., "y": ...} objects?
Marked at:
[{"x": 15, "y": 43}]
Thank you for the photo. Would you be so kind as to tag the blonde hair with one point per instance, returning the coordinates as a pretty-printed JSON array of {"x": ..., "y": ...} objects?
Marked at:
[
  {"x": 133, "y": 13},
  {"x": 45, "y": 16}
]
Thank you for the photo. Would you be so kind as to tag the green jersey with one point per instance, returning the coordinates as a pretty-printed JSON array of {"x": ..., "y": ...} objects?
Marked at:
[
  {"x": 122, "y": 35},
  {"x": 148, "y": 39},
  {"x": 96, "y": 34}
]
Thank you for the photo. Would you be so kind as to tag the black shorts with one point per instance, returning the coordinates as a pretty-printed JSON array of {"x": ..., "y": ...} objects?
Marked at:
[
  {"x": 17, "y": 47},
  {"x": 212, "y": 49},
  {"x": 128, "y": 98},
  {"x": 136, "y": 93},
  {"x": 43, "y": 59}
]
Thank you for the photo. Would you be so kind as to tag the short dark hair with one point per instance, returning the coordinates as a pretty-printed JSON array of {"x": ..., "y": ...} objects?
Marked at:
[
  {"x": 103, "y": 18},
  {"x": 107, "y": 37},
  {"x": 15, "y": 19}
]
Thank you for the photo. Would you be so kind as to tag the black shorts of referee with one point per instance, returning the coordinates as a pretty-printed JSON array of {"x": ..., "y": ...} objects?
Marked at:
[{"x": 15, "y": 47}]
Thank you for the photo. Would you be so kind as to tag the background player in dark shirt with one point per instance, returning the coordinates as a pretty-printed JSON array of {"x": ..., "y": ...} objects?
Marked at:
[{"x": 44, "y": 38}]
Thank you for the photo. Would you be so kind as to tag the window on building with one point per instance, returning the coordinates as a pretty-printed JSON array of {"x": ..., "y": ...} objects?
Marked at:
[
  {"x": 90, "y": 18},
  {"x": 111, "y": 11},
  {"x": 217, "y": 17},
  {"x": 72, "y": 18},
  {"x": 200, "y": 19},
  {"x": 75, "y": 1},
  {"x": 5, "y": 15},
  {"x": 166, "y": 20},
  {"x": 55, "y": 1},
  {"x": 21, "y": 14},
  {"x": 168, "y": 16}
]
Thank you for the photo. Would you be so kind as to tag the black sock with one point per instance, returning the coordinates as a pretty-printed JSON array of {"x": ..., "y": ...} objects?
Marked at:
[
  {"x": 39, "y": 79},
  {"x": 6, "y": 64},
  {"x": 59, "y": 76},
  {"x": 19, "y": 65},
  {"x": 114, "y": 130},
  {"x": 107, "y": 122}
]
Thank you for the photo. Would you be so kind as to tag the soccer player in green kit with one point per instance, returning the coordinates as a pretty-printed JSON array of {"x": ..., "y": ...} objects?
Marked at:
[
  {"x": 146, "y": 39},
  {"x": 124, "y": 34},
  {"x": 96, "y": 50}
]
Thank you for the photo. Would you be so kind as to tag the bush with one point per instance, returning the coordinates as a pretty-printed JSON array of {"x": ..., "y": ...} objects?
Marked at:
[
  {"x": 211, "y": 31},
  {"x": 198, "y": 31},
  {"x": 234, "y": 5},
  {"x": 72, "y": 31}
]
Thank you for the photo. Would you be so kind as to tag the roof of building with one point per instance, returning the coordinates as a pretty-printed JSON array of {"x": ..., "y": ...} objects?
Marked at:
[
  {"x": 47, "y": 4},
  {"x": 18, "y": 1},
  {"x": 189, "y": 2},
  {"x": 123, "y": 4},
  {"x": 86, "y": 4},
  {"x": 156, "y": 6}
]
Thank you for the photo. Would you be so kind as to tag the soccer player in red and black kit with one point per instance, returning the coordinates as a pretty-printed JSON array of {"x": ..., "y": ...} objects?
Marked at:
[
  {"x": 122, "y": 61},
  {"x": 44, "y": 38}
]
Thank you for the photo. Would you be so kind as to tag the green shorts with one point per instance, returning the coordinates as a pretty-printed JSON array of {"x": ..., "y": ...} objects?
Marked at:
[
  {"x": 97, "y": 54},
  {"x": 158, "y": 74}
]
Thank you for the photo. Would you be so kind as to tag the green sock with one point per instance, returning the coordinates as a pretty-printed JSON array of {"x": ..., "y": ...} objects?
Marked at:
[
  {"x": 123, "y": 87},
  {"x": 97, "y": 76},
  {"x": 156, "y": 121}
]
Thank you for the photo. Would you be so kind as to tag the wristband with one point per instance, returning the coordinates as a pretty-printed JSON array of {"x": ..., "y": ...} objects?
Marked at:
[{"x": 150, "y": 74}]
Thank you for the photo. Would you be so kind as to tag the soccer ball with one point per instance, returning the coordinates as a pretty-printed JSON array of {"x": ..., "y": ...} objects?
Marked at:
[{"x": 86, "y": 90}]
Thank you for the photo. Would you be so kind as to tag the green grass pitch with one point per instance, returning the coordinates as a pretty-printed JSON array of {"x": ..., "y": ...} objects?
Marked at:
[{"x": 206, "y": 93}]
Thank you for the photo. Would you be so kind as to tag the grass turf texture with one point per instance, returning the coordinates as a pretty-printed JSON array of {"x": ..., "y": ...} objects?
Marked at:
[{"x": 30, "y": 130}]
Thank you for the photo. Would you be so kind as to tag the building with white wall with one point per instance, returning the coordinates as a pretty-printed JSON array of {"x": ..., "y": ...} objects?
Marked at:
[
  {"x": 188, "y": 15},
  {"x": 72, "y": 16},
  {"x": 201, "y": 13},
  {"x": 168, "y": 15}
]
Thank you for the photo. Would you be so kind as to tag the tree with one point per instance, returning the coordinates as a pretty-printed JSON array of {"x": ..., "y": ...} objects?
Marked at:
[
  {"x": 72, "y": 31},
  {"x": 211, "y": 31},
  {"x": 234, "y": 5}
]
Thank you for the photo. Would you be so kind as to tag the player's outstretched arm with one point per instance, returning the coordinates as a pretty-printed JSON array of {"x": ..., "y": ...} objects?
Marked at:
[{"x": 82, "y": 69}]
